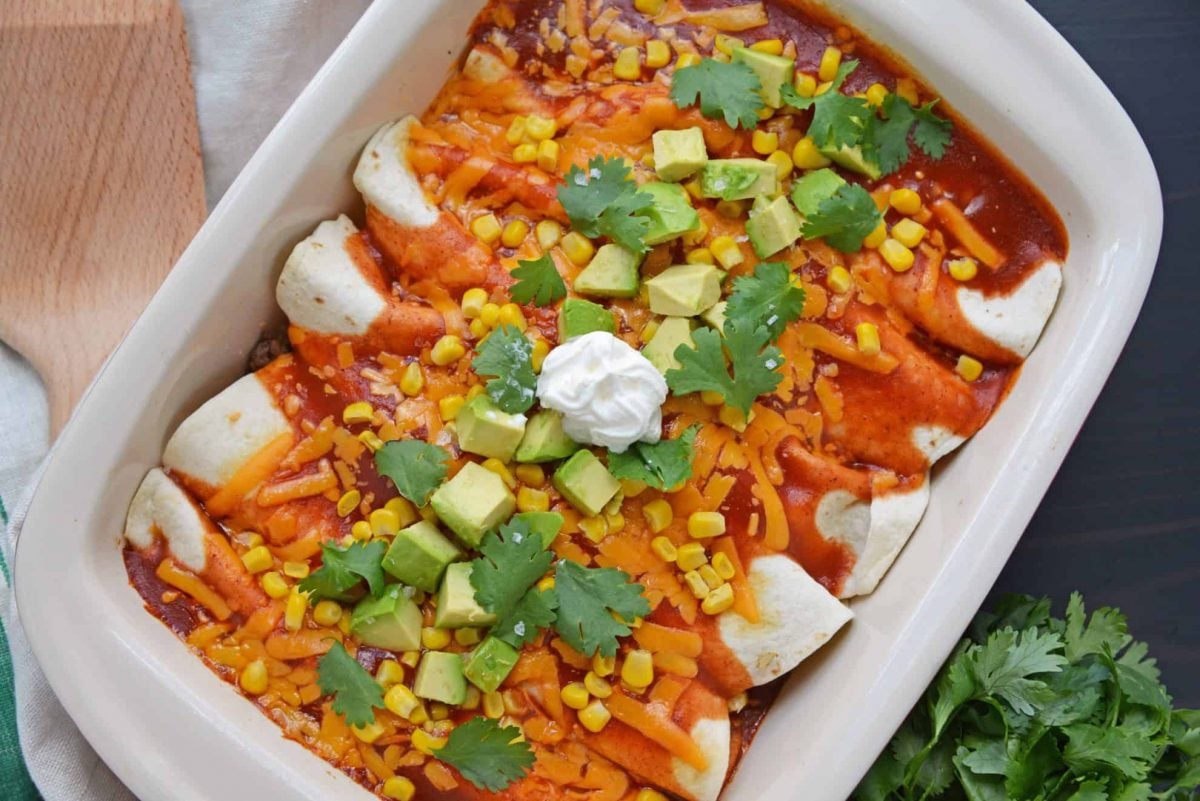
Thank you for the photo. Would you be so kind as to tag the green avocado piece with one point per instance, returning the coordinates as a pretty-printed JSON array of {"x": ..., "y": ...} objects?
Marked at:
[
  {"x": 544, "y": 439},
  {"x": 578, "y": 317},
  {"x": 738, "y": 179},
  {"x": 660, "y": 350},
  {"x": 715, "y": 315},
  {"x": 679, "y": 154},
  {"x": 391, "y": 621},
  {"x": 490, "y": 663},
  {"x": 545, "y": 524},
  {"x": 671, "y": 215},
  {"x": 419, "y": 554},
  {"x": 612, "y": 273},
  {"x": 773, "y": 72},
  {"x": 852, "y": 159},
  {"x": 684, "y": 290},
  {"x": 773, "y": 228},
  {"x": 485, "y": 429},
  {"x": 456, "y": 604},
  {"x": 473, "y": 503},
  {"x": 586, "y": 483},
  {"x": 440, "y": 677},
  {"x": 814, "y": 187}
]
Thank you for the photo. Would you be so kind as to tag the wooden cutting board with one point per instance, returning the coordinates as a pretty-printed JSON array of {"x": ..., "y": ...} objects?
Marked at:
[{"x": 101, "y": 183}]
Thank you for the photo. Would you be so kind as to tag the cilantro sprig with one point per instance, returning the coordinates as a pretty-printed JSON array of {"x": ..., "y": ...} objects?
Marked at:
[
  {"x": 343, "y": 568},
  {"x": 503, "y": 578},
  {"x": 838, "y": 119},
  {"x": 416, "y": 468},
  {"x": 1033, "y": 707},
  {"x": 488, "y": 755},
  {"x": 587, "y": 599},
  {"x": 604, "y": 201},
  {"x": 843, "y": 220},
  {"x": 729, "y": 90},
  {"x": 356, "y": 694},
  {"x": 755, "y": 365},
  {"x": 537, "y": 281},
  {"x": 662, "y": 465},
  {"x": 768, "y": 298},
  {"x": 508, "y": 355}
]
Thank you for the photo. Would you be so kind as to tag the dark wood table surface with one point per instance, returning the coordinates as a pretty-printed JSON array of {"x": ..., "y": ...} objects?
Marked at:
[{"x": 1121, "y": 523}]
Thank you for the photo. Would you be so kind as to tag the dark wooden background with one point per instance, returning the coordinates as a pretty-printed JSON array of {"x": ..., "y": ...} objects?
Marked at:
[{"x": 1121, "y": 523}]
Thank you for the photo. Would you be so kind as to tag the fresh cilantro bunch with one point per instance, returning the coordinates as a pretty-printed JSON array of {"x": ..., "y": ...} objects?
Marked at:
[
  {"x": 729, "y": 90},
  {"x": 508, "y": 355},
  {"x": 604, "y": 201},
  {"x": 662, "y": 465},
  {"x": 1035, "y": 707}
]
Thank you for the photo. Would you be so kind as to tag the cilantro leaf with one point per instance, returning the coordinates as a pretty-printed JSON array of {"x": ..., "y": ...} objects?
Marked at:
[
  {"x": 513, "y": 559},
  {"x": 766, "y": 298},
  {"x": 537, "y": 281},
  {"x": 416, "y": 468},
  {"x": 1005, "y": 663},
  {"x": 844, "y": 220},
  {"x": 933, "y": 133},
  {"x": 586, "y": 598},
  {"x": 355, "y": 692},
  {"x": 621, "y": 223},
  {"x": 729, "y": 90},
  {"x": 1096, "y": 748},
  {"x": 885, "y": 138},
  {"x": 533, "y": 612},
  {"x": 1106, "y": 629},
  {"x": 838, "y": 120},
  {"x": 507, "y": 355},
  {"x": 755, "y": 367},
  {"x": 342, "y": 568},
  {"x": 662, "y": 465},
  {"x": 601, "y": 200},
  {"x": 487, "y": 754}
]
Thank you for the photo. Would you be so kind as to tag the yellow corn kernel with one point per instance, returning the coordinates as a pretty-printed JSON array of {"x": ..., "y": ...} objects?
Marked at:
[
  {"x": 389, "y": 673},
  {"x": 410, "y": 658},
  {"x": 905, "y": 201},
  {"x": 597, "y": 686},
  {"x": 574, "y": 695},
  {"x": 908, "y": 232},
  {"x": 372, "y": 440},
  {"x": 594, "y": 528},
  {"x": 970, "y": 369},
  {"x": 771, "y": 46},
  {"x": 438, "y": 711},
  {"x": 473, "y": 694},
  {"x": 734, "y": 418},
  {"x": 907, "y": 88},
  {"x": 547, "y": 159},
  {"x": 595, "y": 716},
  {"x": 274, "y": 585},
  {"x": 515, "y": 134},
  {"x": 718, "y": 600},
  {"x": 531, "y": 474},
  {"x": 658, "y": 53},
  {"x": 296, "y": 570},
  {"x": 876, "y": 94},
  {"x": 522, "y": 154},
  {"x": 254, "y": 677},
  {"x": 486, "y": 227},
  {"x": 478, "y": 329},
  {"x": 425, "y": 742},
  {"x": 726, "y": 251},
  {"x": 700, "y": 256},
  {"x": 764, "y": 143},
  {"x": 447, "y": 350},
  {"x": 631, "y": 488},
  {"x": 646, "y": 794},
  {"x": 664, "y": 549},
  {"x": 532, "y": 500},
  {"x": 710, "y": 397},
  {"x": 579, "y": 248},
  {"x": 511, "y": 314},
  {"x": 838, "y": 280},
  {"x": 658, "y": 514},
  {"x": 696, "y": 584},
  {"x": 399, "y": 788},
  {"x": 804, "y": 84},
  {"x": 403, "y": 509},
  {"x": 472, "y": 302},
  {"x": 368, "y": 733},
  {"x": 546, "y": 584},
  {"x": 384, "y": 523},
  {"x": 723, "y": 565},
  {"x": 493, "y": 704},
  {"x": 253, "y": 539},
  {"x": 450, "y": 406},
  {"x": 615, "y": 522},
  {"x": 515, "y": 232},
  {"x": 412, "y": 380},
  {"x": 690, "y": 556},
  {"x": 730, "y": 209},
  {"x": 867, "y": 335},
  {"x": 628, "y": 66},
  {"x": 540, "y": 128},
  {"x": 257, "y": 559},
  {"x": 293, "y": 613},
  {"x": 725, "y": 43},
  {"x": 783, "y": 163},
  {"x": 361, "y": 530},
  {"x": 498, "y": 467},
  {"x": 898, "y": 257},
  {"x": 548, "y": 233},
  {"x": 875, "y": 238},
  {"x": 963, "y": 269},
  {"x": 541, "y": 349},
  {"x": 360, "y": 412},
  {"x": 348, "y": 502},
  {"x": 709, "y": 574},
  {"x": 603, "y": 665},
  {"x": 686, "y": 60},
  {"x": 695, "y": 193},
  {"x": 705, "y": 525},
  {"x": 806, "y": 156},
  {"x": 435, "y": 639},
  {"x": 637, "y": 669},
  {"x": 489, "y": 315},
  {"x": 466, "y": 636},
  {"x": 420, "y": 715},
  {"x": 400, "y": 700},
  {"x": 475, "y": 391},
  {"x": 831, "y": 59}
]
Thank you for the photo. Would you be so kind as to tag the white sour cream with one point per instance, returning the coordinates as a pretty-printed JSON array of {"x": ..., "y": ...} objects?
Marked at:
[{"x": 608, "y": 393}]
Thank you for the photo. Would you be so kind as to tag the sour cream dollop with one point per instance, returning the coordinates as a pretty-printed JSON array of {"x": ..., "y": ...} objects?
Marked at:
[{"x": 608, "y": 393}]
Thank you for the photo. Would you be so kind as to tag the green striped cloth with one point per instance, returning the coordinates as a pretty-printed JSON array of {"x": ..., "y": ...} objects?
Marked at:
[{"x": 14, "y": 778}]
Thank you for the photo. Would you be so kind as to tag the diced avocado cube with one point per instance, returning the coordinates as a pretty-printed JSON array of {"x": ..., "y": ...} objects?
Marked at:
[
  {"x": 684, "y": 290},
  {"x": 456, "y": 604},
  {"x": 391, "y": 621},
  {"x": 545, "y": 524},
  {"x": 852, "y": 159},
  {"x": 773, "y": 72},
  {"x": 715, "y": 315},
  {"x": 578, "y": 317},
  {"x": 544, "y": 439},
  {"x": 671, "y": 215},
  {"x": 440, "y": 677},
  {"x": 679, "y": 154},
  {"x": 419, "y": 554},
  {"x": 490, "y": 663},
  {"x": 586, "y": 483},
  {"x": 737, "y": 179},
  {"x": 612, "y": 273},
  {"x": 774, "y": 228},
  {"x": 660, "y": 350},
  {"x": 473, "y": 503},
  {"x": 809, "y": 191},
  {"x": 485, "y": 429}
]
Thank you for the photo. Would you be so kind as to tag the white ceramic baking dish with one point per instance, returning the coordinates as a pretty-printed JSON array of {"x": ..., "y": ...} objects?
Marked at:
[{"x": 171, "y": 730}]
